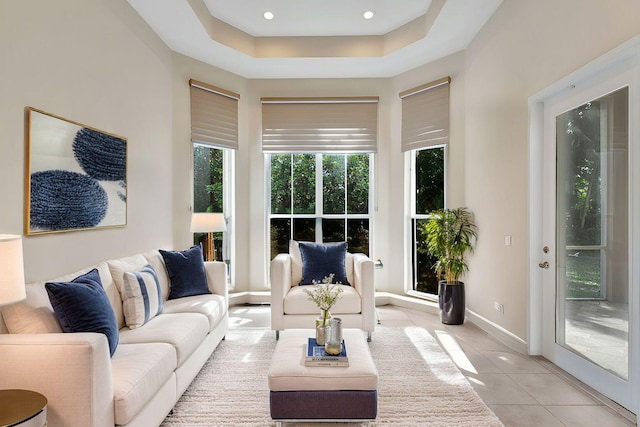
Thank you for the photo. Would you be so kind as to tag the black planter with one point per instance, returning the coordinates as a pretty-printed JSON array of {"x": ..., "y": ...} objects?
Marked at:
[{"x": 451, "y": 302}]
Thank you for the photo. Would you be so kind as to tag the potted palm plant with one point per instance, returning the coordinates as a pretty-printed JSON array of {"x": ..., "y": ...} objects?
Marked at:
[{"x": 450, "y": 236}]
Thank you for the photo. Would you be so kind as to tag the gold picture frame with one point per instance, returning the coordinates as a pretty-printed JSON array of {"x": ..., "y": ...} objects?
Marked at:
[{"x": 76, "y": 176}]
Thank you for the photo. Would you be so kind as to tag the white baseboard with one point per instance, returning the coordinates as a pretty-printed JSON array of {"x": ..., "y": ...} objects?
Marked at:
[
  {"x": 496, "y": 331},
  {"x": 413, "y": 303},
  {"x": 239, "y": 298},
  {"x": 385, "y": 298}
]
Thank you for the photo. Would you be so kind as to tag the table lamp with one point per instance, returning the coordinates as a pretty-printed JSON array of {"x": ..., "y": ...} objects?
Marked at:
[
  {"x": 11, "y": 269},
  {"x": 205, "y": 222}
]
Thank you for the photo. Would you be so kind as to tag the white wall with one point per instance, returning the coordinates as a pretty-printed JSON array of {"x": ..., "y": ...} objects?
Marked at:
[
  {"x": 95, "y": 62},
  {"x": 525, "y": 47}
]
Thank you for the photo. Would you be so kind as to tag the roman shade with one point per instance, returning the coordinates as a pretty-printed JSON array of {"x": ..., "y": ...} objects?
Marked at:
[
  {"x": 425, "y": 115},
  {"x": 214, "y": 116},
  {"x": 319, "y": 125}
]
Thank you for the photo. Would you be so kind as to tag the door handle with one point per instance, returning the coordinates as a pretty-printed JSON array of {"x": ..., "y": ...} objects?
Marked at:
[{"x": 544, "y": 265}]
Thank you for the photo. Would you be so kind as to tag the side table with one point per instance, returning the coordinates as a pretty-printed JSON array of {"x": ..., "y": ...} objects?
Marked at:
[{"x": 22, "y": 408}]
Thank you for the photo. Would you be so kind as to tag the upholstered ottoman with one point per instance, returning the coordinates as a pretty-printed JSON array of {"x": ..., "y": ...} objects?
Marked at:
[{"x": 322, "y": 393}]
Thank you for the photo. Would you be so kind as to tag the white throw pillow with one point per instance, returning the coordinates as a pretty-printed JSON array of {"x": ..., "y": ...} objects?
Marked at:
[
  {"x": 296, "y": 262},
  {"x": 141, "y": 296},
  {"x": 34, "y": 315}
]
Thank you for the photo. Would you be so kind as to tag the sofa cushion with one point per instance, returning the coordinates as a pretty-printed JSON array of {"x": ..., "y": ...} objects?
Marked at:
[
  {"x": 138, "y": 371},
  {"x": 155, "y": 260},
  {"x": 113, "y": 293},
  {"x": 34, "y": 315},
  {"x": 118, "y": 267},
  {"x": 320, "y": 260},
  {"x": 82, "y": 305},
  {"x": 297, "y": 302},
  {"x": 184, "y": 331},
  {"x": 141, "y": 296},
  {"x": 186, "y": 272},
  {"x": 296, "y": 264},
  {"x": 212, "y": 306},
  {"x": 121, "y": 265}
]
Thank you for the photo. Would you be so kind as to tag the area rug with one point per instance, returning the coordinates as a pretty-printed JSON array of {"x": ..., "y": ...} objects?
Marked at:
[{"x": 419, "y": 385}]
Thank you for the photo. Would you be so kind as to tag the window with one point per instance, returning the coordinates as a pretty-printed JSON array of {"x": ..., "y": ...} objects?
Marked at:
[
  {"x": 319, "y": 154},
  {"x": 320, "y": 198},
  {"x": 428, "y": 166},
  {"x": 209, "y": 188},
  {"x": 208, "y": 173},
  {"x": 425, "y": 135},
  {"x": 214, "y": 135}
]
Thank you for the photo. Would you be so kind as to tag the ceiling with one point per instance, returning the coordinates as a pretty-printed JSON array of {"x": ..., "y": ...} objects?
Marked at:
[{"x": 313, "y": 38}]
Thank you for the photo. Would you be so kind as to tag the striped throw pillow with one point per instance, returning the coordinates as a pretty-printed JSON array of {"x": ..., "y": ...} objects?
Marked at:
[{"x": 141, "y": 296}]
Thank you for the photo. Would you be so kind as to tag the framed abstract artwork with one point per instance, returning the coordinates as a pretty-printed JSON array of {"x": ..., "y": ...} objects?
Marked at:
[{"x": 76, "y": 176}]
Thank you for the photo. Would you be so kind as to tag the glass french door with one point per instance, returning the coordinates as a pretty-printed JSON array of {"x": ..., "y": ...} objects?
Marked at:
[{"x": 587, "y": 230}]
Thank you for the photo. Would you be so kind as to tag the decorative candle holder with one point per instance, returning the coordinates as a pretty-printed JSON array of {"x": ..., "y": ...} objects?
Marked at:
[{"x": 333, "y": 345}]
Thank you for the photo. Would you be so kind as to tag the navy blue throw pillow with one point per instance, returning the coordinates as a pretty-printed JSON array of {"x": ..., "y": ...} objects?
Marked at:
[
  {"x": 319, "y": 260},
  {"x": 82, "y": 305},
  {"x": 186, "y": 272}
]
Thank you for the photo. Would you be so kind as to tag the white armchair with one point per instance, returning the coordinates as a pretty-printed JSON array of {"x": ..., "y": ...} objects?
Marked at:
[{"x": 291, "y": 307}]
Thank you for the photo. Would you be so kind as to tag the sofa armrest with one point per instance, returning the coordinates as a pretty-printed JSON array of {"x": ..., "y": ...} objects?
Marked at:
[
  {"x": 73, "y": 371},
  {"x": 217, "y": 278},
  {"x": 365, "y": 285},
  {"x": 280, "y": 279}
]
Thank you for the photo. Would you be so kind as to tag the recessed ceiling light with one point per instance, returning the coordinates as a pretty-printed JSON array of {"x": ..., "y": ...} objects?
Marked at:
[
  {"x": 268, "y": 15},
  {"x": 369, "y": 14}
]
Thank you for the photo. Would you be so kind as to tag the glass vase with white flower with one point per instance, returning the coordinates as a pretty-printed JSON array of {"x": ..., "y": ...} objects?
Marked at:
[{"x": 324, "y": 294}]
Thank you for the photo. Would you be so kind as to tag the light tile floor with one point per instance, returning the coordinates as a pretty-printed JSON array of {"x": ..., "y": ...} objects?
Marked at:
[{"x": 522, "y": 391}]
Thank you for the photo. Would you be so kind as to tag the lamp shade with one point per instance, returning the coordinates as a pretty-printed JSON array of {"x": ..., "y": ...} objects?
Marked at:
[
  {"x": 204, "y": 222},
  {"x": 11, "y": 269}
]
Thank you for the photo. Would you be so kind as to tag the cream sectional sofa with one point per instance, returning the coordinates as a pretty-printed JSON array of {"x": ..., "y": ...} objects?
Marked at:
[{"x": 152, "y": 364}]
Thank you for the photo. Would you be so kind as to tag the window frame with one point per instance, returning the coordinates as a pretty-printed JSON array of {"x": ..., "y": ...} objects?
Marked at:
[
  {"x": 228, "y": 183},
  {"x": 319, "y": 215},
  {"x": 410, "y": 259}
]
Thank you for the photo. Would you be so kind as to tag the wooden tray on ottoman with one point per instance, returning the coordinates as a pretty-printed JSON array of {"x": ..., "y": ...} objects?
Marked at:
[{"x": 322, "y": 393}]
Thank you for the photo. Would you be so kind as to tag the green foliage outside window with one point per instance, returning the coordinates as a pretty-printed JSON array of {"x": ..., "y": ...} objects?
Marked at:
[
  {"x": 281, "y": 184},
  {"x": 429, "y": 180},
  {"x": 207, "y": 179},
  {"x": 345, "y": 191},
  {"x": 333, "y": 230},
  {"x": 304, "y": 229},
  {"x": 579, "y": 147},
  {"x": 304, "y": 184},
  {"x": 333, "y": 184},
  {"x": 358, "y": 235},
  {"x": 583, "y": 220},
  {"x": 429, "y": 190},
  {"x": 358, "y": 184}
]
